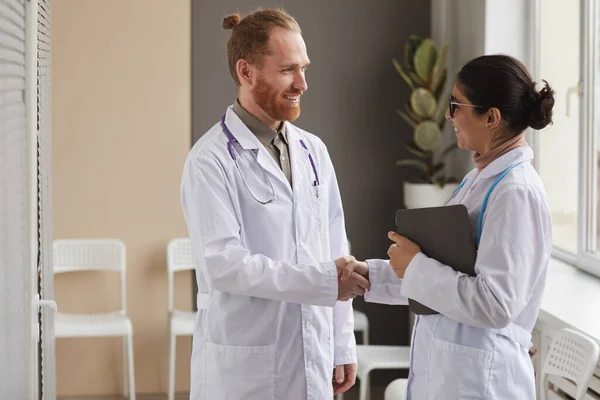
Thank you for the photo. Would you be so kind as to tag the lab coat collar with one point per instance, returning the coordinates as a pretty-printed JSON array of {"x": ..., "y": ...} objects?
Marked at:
[
  {"x": 240, "y": 131},
  {"x": 249, "y": 141},
  {"x": 520, "y": 154},
  {"x": 291, "y": 133},
  {"x": 246, "y": 138}
]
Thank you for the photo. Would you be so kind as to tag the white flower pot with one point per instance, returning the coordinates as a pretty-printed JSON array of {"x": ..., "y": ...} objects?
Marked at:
[{"x": 419, "y": 195}]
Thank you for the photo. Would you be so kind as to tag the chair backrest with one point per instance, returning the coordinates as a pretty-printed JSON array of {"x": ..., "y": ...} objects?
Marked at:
[
  {"x": 91, "y": 255},
  {"x": 573, "y": 356},
  {"x": 179, "y": 258}
]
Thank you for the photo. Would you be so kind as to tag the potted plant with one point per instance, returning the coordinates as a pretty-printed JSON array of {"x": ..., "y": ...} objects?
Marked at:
[{"x": 424, "y": 71}]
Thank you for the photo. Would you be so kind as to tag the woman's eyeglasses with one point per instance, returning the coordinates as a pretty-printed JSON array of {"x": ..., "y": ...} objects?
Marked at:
[{"x": 452, "y": 105}]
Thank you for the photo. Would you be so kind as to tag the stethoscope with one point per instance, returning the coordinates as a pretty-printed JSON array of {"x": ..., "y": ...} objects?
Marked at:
[
  {"x": 485, "y": 199},
  {"x": 231, "y": 140}
]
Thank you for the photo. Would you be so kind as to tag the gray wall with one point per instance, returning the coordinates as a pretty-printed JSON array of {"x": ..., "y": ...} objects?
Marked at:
[{"x": 352, "y": 91}]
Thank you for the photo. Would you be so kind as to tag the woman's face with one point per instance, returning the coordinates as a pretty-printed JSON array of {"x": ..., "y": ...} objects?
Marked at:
[{"x": 471, "y": 128}]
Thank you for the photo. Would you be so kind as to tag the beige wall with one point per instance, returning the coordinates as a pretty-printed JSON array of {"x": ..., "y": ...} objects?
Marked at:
[{"x": 121, "y": 131}]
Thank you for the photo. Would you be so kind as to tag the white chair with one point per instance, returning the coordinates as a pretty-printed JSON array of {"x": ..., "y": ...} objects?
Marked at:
[
  {"x": 573, "y": 356},
  {"x": 378, "y": 357},
  {"x": 179, "y": 258},
  {"x": 396, "y": 390},
  {"x": 361, "y": 324},
  {"x": 96, "y": 255}
]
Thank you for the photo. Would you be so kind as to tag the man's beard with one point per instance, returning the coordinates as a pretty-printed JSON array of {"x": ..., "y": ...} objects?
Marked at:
[{"x": 272, "y": 102}]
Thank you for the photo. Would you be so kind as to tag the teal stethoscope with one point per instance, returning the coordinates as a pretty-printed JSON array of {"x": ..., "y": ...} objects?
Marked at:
[
  {"x": 485, "y": 199},
  {"x": 231, "y": 140}
]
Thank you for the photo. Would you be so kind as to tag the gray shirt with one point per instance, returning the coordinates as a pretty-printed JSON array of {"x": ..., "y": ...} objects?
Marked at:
[{"x": 275, "y": 142}]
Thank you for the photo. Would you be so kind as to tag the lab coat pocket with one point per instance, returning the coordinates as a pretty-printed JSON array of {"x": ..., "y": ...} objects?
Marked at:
[
  {"x": 458, "y": 372},
  {"x": 240, "y": 372}
]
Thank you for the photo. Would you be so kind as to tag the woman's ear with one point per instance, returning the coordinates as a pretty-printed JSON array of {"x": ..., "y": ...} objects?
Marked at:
[{"x": 494, "y": 118}]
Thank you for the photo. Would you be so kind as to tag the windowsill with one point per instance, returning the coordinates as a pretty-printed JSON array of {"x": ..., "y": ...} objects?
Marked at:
[{"x": 572, "y": 297}]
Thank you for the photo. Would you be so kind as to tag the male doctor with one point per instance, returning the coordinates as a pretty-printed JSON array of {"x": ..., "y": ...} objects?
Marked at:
[{"x": 265, "y": 218}]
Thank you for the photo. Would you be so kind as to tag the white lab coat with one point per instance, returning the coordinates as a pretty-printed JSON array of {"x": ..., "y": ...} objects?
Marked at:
[
  {"x": 477, "y": 347},
  {"x": 269, "y": 325}
]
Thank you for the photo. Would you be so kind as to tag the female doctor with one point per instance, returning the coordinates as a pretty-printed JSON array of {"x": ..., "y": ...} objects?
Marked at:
[{"x": 477, "y": 346}]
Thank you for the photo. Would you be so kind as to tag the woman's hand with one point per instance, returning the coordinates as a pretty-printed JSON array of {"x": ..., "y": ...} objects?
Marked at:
[{"x": 401, "y": 253}]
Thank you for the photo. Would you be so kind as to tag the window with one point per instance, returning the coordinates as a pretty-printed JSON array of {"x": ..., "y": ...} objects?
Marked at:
[
  {"x": 566, "y": 54},
  {"x": 558, "y": 146},
  {"x": 595, "y": 160}
]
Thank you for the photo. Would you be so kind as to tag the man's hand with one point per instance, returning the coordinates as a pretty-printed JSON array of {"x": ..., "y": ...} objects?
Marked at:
[
  {"x": 401, "y": 253},
  {"x": 344, "y": 378},
  {"x": 360, "y": 267},
  {"x": 340, "y": 263},
  {"x": 354, "y": 285}
]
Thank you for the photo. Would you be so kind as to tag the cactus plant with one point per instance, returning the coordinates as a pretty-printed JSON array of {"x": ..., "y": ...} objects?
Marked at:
[{"x": 424, "y": 71}]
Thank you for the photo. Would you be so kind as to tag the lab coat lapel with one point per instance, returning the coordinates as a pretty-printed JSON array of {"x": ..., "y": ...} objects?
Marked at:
[
  {"x": 249, "y": 141},
  {"x": 267, "y": 162},
  {"x": 298, "y": 159}
]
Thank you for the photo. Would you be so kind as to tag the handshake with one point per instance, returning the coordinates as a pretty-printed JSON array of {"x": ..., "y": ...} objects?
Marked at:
[{"x": 353, "y": 277}]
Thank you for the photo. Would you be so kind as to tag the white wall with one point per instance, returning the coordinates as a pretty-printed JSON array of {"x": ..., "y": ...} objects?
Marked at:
[
  {"x": 507, "y": 29},
  {"x": 121, "y": 128}
]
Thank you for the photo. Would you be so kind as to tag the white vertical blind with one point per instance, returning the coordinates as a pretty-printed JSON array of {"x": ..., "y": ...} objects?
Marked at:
[
  {"x": 15, "y": 273},
  {"x": 25, "y": 200},
  {"x": 44, "y": 126}
]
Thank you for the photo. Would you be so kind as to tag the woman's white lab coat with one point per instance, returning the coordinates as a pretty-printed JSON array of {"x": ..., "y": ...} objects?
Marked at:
[
  {"x": 477, "y": 347},
  {"x": 269, "y": 325}
]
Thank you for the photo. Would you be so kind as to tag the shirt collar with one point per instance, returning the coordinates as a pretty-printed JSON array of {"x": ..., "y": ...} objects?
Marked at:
[{"x": 264, "y": 134}]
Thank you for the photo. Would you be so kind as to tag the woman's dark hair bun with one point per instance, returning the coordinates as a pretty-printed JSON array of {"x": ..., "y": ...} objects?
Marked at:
[
  {"x": 230, "y": 21},
  {"x": 541, "y": 106}
]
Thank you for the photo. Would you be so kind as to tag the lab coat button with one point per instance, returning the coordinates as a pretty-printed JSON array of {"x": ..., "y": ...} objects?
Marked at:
[
  {"x": 309, "y": 364},
  {"x": 307, "y": 324}
]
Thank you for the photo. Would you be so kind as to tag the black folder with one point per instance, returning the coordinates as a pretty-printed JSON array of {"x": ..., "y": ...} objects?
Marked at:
[{"x": 444, "y": 234}]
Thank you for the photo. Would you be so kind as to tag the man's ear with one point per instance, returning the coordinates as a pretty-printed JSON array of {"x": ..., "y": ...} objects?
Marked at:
[
  {"x": 494, "y": 118},
  {"x": 245, "y": 72}
]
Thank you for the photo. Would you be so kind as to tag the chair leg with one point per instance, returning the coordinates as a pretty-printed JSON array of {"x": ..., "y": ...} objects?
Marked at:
[
  {"x": 125, "y": 355},
  {"x": 130, "y": 369},
  {"x": 364, "y": 388},
  {"x": 172, "y": 349}
]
